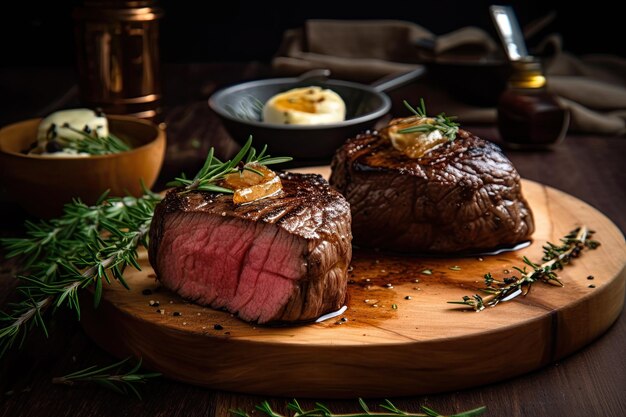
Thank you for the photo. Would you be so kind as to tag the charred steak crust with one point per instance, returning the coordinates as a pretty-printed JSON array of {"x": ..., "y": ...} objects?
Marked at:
[
  {"x": 282, "y": 258},
  {"x": 463, "y": 196}
]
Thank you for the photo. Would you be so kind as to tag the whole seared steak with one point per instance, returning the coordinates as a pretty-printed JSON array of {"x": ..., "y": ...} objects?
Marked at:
[
  {"x": 282, "y": 258},
  {"x": 463, "y": 195}
]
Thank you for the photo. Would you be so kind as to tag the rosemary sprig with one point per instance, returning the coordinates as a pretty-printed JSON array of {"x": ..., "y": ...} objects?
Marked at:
[
  {"x": 215, "y": 170},
  {"x": 445, "y": 124},
  {"x": 555, "y": 257},
  {"x": 92, "y": 143},
  {"x": 92, "y": 244},
  {"x": 110, "y": 377},
  {"x": 320, "y": 410},
  {"x": 86, "y": 246},
  {"x": 48, "y": 242}
]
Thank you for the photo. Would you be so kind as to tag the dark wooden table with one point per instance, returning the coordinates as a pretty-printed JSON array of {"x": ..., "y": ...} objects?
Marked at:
[{"x": 591, "y": 382}]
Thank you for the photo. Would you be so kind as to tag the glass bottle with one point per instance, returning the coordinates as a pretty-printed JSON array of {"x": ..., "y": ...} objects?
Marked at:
[
  {"x": 529, "y": 116},
  {"x": 118, "y": 56}
]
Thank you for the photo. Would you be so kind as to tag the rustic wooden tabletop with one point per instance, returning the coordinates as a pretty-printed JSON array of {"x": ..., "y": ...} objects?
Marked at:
[{"x": 591, "y": 382}]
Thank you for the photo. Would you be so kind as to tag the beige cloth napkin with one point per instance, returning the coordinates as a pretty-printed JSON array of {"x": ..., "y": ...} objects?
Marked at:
[{"x": 593, "y": 87}]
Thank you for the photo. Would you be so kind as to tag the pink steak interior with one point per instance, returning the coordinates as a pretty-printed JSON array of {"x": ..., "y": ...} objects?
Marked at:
[{"x": 249, "y": 268}]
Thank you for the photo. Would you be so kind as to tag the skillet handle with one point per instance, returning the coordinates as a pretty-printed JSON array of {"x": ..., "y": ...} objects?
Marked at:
[
  {"x": 396, "y": 81},
  {"x": 318, "y": 75}
]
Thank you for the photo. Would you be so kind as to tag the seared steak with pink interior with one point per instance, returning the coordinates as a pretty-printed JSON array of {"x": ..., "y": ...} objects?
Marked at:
[
  {"x": 464, "y": 195},
  {"x": 282, "y": 258}
]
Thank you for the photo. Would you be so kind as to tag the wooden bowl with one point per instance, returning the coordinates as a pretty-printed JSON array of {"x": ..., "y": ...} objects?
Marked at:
[{"x": 42, "y": 185}]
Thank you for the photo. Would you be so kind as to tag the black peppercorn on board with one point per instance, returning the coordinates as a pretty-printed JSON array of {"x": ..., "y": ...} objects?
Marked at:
[{"x": 399, "y": 335}]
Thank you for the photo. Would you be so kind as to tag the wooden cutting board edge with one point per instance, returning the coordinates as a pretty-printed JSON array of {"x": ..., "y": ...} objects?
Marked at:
[{"x": 271, "y": 367}]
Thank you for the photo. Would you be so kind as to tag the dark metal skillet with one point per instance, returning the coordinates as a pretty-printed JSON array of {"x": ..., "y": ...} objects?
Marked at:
[{"x": 238, "y": 107}]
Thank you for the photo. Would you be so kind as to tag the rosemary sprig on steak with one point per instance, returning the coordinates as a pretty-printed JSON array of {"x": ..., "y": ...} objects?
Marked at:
[
  {"x": 214, "y": 170},
  {"x": 320, "y": 410},
  {"x": 555, "y": 257},
  {"x": 445, "y": 124},
  {"x": 91, "y": 244},
  {"x": 111, "y": 377}
]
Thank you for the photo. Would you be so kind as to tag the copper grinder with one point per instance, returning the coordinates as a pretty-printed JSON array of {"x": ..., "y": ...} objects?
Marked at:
[{"x": 118, "y": 56}]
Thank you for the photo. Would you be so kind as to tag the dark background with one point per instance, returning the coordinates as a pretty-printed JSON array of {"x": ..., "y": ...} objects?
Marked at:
[{"x": 40, "y": 33}]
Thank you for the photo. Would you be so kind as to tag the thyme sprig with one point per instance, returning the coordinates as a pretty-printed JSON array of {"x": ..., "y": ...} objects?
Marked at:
[
  {"x": 445, "y": 124},
  {"x": 555, "y": 257},
  {"x": 93, "y": 144},
  {"x": 110, "y": 377},
  {"x": 89, "y": 245},
  {"x": 320, "y": 410},
  {"x": 214, "y": 171}
]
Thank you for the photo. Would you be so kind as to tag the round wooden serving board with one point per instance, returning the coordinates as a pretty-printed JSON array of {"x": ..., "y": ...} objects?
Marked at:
[{"x": 397, "y": 341}]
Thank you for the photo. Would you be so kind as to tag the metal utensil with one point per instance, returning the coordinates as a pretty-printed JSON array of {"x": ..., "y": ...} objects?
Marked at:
[{"x": 509, "y": 31}]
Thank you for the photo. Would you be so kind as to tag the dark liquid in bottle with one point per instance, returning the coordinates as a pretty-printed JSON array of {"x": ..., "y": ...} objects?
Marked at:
[{"x": 531, "y": 118}]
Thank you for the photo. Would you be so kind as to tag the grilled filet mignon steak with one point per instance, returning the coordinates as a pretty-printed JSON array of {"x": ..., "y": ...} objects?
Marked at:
[
  {"x": 464, "y": 195},
  {"x": 278, "y": 259}
]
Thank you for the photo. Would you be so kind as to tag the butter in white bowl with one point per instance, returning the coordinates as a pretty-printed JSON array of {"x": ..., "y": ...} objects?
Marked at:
[{"x": 305, "y": 106}]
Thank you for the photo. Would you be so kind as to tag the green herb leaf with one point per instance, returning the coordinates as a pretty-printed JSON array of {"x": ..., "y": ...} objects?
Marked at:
[
  {"x": 555, "y": 257},
  {"x": 91, "y": 244},
  {"x": 364, "y": 405},
  {"x": 214, "y": 171},
  {"x": 445, "y": 124},
  {"x": 120, "y": 382},
  {"x": 471, "y": 413},
  {"x": 321, "y": 410},
  {"x": 92, "y": 144}
]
